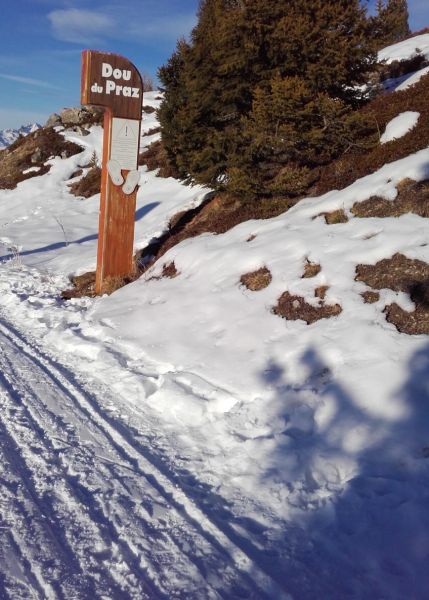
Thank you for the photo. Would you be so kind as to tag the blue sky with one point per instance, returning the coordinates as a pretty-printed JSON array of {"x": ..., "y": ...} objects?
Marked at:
[{"x": 41, "y": 42}]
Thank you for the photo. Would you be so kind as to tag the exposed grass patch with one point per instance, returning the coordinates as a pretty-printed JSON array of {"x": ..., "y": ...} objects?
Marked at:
[
  {"x": 320, "y": 292},
  {"x": 311, "y": 270},
  {"x": 400, "y": 273},
  {"x": 413, "y": 197},
  {"x": 295, "y": 308},
  {"x": 335, "y": 217},
  {"x": 84, "y": 285},
  {"x": 169, "y": 271},
  {"x": 370, "y": 297},
  {"x": 111, "y": 284},
  {"x": 414, "y": 323},
  {"x": 257, "y": 280},
  {"x": 32, "y": 150},
  {"x": 89, "y": 185},
  {"x": 397, "y": 273}
]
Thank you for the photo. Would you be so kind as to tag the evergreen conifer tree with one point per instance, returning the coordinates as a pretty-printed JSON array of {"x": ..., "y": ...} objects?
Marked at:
[
  {"x": 264, "y": 92},
  {"x": 391, "y": 22}
]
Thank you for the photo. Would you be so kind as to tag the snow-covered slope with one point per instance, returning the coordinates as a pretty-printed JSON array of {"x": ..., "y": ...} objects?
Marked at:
[
  {"x": 8, "y": 136},
  {"x": 304, "y": 446},
  {"x": 406, "y": 49}
]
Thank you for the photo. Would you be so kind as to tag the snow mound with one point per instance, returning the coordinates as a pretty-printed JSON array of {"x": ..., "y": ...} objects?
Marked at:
[
  {"x": 406, "y": 49},
  {"x": 412, "y": 79},
  {"x": 399, "y": 126}
]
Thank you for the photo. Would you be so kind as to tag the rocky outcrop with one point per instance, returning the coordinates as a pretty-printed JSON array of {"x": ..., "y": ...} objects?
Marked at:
[
  {"x": 77, "y": 118},
  {"x": 27, "y": 157}
]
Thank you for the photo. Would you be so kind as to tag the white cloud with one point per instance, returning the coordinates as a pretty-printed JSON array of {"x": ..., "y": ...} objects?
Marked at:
[
  {"x": 119, "y": 20},
  {"x": 80, "y": 26},
  {"x": 28, "y": 81}
]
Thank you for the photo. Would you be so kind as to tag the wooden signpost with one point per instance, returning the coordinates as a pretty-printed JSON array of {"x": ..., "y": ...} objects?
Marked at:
[{"x": 111, "y": 81}]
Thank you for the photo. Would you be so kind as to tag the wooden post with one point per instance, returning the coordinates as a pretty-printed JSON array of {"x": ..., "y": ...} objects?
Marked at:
[{"x": 113, "y": 82}]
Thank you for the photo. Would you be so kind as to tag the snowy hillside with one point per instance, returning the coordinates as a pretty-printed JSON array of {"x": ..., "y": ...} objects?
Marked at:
[
  {"x": 406, "y": 49},
  {"x": 191, "y": 437},
  {"x": 8, "y": 136}
]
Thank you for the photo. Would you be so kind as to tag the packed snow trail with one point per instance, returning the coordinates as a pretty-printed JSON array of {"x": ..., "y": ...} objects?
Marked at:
[{"x": 84, "y": 514}]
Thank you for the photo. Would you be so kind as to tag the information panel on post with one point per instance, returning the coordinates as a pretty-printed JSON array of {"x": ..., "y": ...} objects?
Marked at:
[{"x": 113, "y": 82}]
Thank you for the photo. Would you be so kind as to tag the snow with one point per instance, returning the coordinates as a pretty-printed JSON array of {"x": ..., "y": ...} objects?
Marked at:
[
  {"x": 299, "y": 449},
  {"x": 406, "y": 49},
  {"x": 412, "y": 79},
  {"x": 8, "y": 136},
  {"x": 399, "y": 126},
  {"x": 31, "y": 170}
]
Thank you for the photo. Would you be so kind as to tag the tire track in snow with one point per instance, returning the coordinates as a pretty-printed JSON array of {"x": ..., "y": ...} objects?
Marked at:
[{"x": 245, "y": 577}]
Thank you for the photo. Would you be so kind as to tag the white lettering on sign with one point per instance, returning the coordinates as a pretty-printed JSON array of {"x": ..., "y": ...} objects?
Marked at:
[
  {"x": 113, "y": 88},
  {"x": 125, "y": 143},
  {"x": 107, "y": 71}
]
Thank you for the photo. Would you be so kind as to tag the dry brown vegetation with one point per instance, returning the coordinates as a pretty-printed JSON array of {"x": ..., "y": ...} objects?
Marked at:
[
  {"x": 398, "y": 68},
  {"x": 220, "y": 214},
  {"x": 335, "y": 217},
  {"x": 256, "y": 280},
  {"x": 76, "y": 173},
  {"x": 370, "y": 297},
  {"x": 311, "y": 270},
  {"x": 295, "y": 308},
  {"x": 84, "y": 285},
  {"x": 32, "y": 150},
  {"x": 169, "y": 271},
  {"x": 400, "y": 273},
  {"x": 153, "y": 131},
  {"x": 155, "y": 157},
  {"x": 413, "y": 197},
  {"x": 320, "y": 292},
  {"x": 88, "y": 185},
  {"x": 359, "y": 162}
]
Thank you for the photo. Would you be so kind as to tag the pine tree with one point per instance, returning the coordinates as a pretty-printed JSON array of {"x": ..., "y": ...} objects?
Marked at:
[
  {"x": 264, "y": 91},
  {"x": 169, "y": 114},
  {"x": 391, "y": 22}
]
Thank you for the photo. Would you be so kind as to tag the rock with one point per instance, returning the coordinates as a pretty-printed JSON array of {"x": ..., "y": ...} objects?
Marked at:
[
  {"x": 71, "y": 116},
  {"x": 36, "y": 157},
  {"x": 54, "y": 120},
  {"x": 80, "y": 130},
  {"x": 86, "y": 115},
  {"x": 92, "y": 115}
]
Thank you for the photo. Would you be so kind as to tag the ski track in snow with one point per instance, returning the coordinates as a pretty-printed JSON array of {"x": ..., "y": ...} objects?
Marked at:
[{"x": 86, "y": 511}]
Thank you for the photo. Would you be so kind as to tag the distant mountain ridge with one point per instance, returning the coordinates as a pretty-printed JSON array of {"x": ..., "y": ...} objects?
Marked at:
[{"x": 8, "y": 136}]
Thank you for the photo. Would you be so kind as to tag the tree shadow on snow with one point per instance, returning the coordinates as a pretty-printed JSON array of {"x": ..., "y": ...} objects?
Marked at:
[
  {"x": 140, "y": 214},
  {"x": 356, "y": 486}
]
